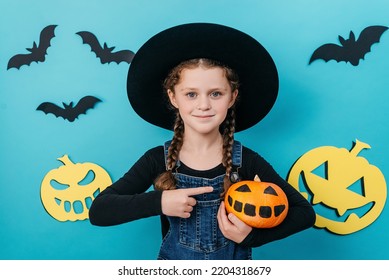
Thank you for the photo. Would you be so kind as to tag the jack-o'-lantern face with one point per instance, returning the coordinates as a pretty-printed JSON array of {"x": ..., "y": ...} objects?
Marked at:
[
  {"x": 258, "y": 204},
  {"x": 68, "y": 191},
  {"x": 349, "y": 186}
]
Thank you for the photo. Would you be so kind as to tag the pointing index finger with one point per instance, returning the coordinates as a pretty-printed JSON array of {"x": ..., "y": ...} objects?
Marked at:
[{"x": 199, "y": 190}]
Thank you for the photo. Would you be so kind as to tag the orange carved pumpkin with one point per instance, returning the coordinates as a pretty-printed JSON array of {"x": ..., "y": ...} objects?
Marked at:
[{"x": 258, "y": 204}]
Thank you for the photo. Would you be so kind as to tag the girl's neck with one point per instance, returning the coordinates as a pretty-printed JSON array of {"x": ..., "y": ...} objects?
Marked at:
[
  {"x": 202, "y": 142},
  {"x": 202, "y": 152}
]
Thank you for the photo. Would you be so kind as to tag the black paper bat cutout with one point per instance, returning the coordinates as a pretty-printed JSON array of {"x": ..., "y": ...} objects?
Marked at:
[
  {"x": 350, "y": 50},
  {"x": 68, "y": 112},
  {"x": 37, "y": 53},
  {"x": 105, "y": 53}
]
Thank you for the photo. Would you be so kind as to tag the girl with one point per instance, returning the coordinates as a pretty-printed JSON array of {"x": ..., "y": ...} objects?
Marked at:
[{"x": 217, "y": 80}]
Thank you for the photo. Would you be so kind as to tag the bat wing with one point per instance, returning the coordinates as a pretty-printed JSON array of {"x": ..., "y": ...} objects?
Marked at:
[
  {"x": 369, "y": 36},
  {"x": 328, "y": 52},
  {"x": 19, "y": 60},
  {"x": 85, "y": 103},
  {"x": 120, "y": 56},
  {"x": 44, "y": 41},
  {"x": 90, "y": 39},
  {"x": 37, "y": 53},
  {"x": 48, "y": 107}
]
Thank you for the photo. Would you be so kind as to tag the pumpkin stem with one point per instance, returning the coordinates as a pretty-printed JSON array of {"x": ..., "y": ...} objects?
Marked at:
[
  {"x": 65, "y": 160},
  {"x": 358, "y": 147},
  {"x": 256, "y": 178}
]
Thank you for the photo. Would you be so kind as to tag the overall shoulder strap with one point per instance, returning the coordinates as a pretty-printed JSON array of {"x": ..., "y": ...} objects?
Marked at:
[
  {"x": 237, "y": 154},
  {"x": 166, "y": 150}
]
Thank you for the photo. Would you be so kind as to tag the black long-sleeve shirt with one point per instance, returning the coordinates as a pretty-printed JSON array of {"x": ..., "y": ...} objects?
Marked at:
[{"x": 131, "y": 198}]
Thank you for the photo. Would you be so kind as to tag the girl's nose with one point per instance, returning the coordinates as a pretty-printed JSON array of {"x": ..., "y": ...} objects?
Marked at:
[{"x": 204, "y": 103}]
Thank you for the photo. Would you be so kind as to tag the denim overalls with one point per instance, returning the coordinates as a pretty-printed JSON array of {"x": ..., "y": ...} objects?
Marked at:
[{"x": 199, "y": 237}]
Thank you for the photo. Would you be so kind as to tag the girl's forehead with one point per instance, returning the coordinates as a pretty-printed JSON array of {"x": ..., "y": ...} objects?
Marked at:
[
  {"x": 200, "y": 78},
  {"x": 203, "y": 72},
  {"x": 201, "y": 75}
]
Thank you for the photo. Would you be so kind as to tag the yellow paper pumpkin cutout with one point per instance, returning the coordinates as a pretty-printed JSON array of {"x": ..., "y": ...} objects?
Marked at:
[
  {"x": 343, "y": 168},
  {"x": 76, "y": 189}
]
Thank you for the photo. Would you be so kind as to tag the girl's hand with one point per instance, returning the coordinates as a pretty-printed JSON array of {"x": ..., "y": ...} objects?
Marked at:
[
  {"x": 179, "y": 203},
  {"x": 231, "y": 227}
]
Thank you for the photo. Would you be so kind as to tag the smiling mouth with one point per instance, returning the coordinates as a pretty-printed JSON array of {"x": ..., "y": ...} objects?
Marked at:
[
  {"x": 331, "y": 214},
  {"x": 76, "y": 206},
  {"x": 204, "y": 117}
]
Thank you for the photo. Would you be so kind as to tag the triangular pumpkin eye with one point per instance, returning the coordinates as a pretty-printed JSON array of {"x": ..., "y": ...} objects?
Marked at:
[
  {"x": 243, "y": 188},
  {"x": 270, "y": 190}
]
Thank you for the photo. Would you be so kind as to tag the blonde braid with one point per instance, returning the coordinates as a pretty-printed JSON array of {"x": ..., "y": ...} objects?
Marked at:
[
  {"x": 228, "y": 143},
  {"x": 176, "y": 144},
  {"x": 167, "y": 181}
]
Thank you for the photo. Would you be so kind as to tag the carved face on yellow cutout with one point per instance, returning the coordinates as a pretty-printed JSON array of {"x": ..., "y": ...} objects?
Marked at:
[
  {"x": 334, "y": 190},
  {"x": 61, "y": 203}
]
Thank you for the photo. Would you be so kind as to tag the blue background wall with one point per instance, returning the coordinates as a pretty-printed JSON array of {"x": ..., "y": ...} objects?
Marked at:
[{"x": 321, "y": 104}]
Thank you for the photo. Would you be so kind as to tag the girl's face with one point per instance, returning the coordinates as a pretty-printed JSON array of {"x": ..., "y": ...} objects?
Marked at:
[{"x": 202, "y": 97}]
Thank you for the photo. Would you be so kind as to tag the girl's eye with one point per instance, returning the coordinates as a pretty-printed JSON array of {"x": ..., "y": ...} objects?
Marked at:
[
  {"x": 216, "y": 94},
  {"x": 191, "y": 94}
]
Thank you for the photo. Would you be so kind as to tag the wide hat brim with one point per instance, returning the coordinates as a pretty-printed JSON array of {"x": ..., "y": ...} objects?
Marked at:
[{"x": 153, "y": 61}]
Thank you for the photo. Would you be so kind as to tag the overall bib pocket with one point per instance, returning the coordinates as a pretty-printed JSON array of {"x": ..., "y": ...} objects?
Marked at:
[{"x": 200, "y": 232}]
